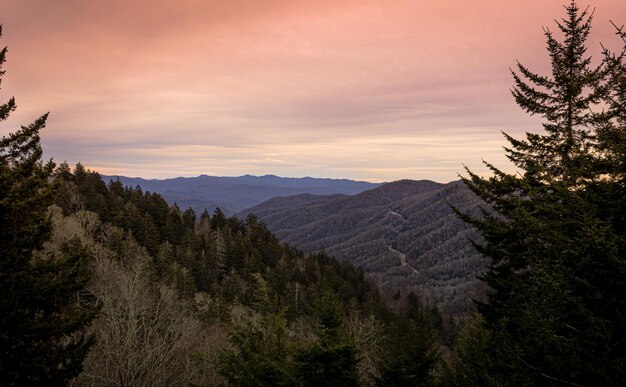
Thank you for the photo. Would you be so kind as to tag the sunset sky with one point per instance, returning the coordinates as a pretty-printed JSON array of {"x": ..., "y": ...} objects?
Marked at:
[{"x": 370, "y": 90}]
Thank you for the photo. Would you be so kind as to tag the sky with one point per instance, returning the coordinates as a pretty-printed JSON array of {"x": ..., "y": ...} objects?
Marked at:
[{"x": 376, "y": 90}]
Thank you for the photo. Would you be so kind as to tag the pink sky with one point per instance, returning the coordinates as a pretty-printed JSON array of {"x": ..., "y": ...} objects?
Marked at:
[{"x": 372, "y": 90}]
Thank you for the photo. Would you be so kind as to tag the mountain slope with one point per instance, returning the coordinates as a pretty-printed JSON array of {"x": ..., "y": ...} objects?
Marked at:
[
  {"x": 179, "y": 292},
  {"x": 403, "y": 234},
  {"x": 233, "y": 194}
]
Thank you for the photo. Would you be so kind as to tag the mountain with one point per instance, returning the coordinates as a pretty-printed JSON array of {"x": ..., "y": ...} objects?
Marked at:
[
  {"x": 403, "y": 234},
  {"x": 233, "y": 194}
]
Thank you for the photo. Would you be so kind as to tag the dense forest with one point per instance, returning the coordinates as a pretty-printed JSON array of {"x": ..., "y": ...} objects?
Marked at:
[
  {"x": 102, "y": 284},
  {"x": 404, "y": 235}
]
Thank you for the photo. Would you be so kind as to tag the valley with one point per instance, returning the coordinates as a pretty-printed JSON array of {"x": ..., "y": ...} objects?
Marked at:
[{"x": 404, "y": 235}]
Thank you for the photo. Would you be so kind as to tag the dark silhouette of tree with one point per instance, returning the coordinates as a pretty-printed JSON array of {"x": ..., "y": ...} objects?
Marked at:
[
  {"x": 556, "y": 313},
  {"x": 42, "y": 312}
]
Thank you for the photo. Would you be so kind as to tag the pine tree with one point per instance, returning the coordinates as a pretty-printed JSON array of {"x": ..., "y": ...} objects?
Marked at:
[
  {"x": 412, "y": 354},
  {"x": 41, "y": 315},
  {"x": 611, "y": 125},
  {"x": 556, "y": 313},
  {"x": 565, "y": 100},
  {"x": 333, "y": 360},
  {"x": 262, "y": 355}
]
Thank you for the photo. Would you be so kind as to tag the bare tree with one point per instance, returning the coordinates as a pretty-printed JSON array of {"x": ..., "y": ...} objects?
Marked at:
[{"x": 145, "y": 334}]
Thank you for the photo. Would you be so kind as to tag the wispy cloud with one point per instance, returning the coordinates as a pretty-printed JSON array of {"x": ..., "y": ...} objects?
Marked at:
[{"x": 367, "y": 89}]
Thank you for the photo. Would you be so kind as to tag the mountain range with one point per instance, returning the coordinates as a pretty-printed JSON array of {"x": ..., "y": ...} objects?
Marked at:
[
  {"x": 403, "y": 234},
  {"x": 233, "y": 194}
]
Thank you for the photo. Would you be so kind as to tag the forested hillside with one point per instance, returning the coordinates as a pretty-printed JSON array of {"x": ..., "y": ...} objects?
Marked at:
[
  {"x": 178, "y": 298},
  {"x": 404, "y": 235},
  {"x": 207, "y": 271}
]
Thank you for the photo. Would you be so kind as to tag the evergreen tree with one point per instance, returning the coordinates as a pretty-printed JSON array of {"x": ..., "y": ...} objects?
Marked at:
[
  {"x": 565, "y": 100},
  {"x": 412, "y": 353},
  {"x": 262, "y": 348},
  {"x": 556, "y": 313},
  {"x": 611, "y": 129},
  {"x": 41, "y": 318},
  {"x": 332, "y": 361}
]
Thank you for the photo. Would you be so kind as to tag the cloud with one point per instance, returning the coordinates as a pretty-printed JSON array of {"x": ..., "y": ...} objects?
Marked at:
[{"x": 139, "y": 85}]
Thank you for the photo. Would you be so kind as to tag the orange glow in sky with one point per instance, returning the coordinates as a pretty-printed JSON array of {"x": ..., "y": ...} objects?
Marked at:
[{"x": 372, "y": 90}]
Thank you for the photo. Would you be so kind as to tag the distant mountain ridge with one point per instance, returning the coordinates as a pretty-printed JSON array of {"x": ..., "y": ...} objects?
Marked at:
[
  {"x": 403, "y": 234},
  {"x": 233, "y": 194}
]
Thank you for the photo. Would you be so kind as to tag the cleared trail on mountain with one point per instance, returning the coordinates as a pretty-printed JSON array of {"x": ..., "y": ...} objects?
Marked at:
[
  {"x": 394, "y": 213},
  {"x": 402, "y": 256},
  {"x": 403, "y": 261}
]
